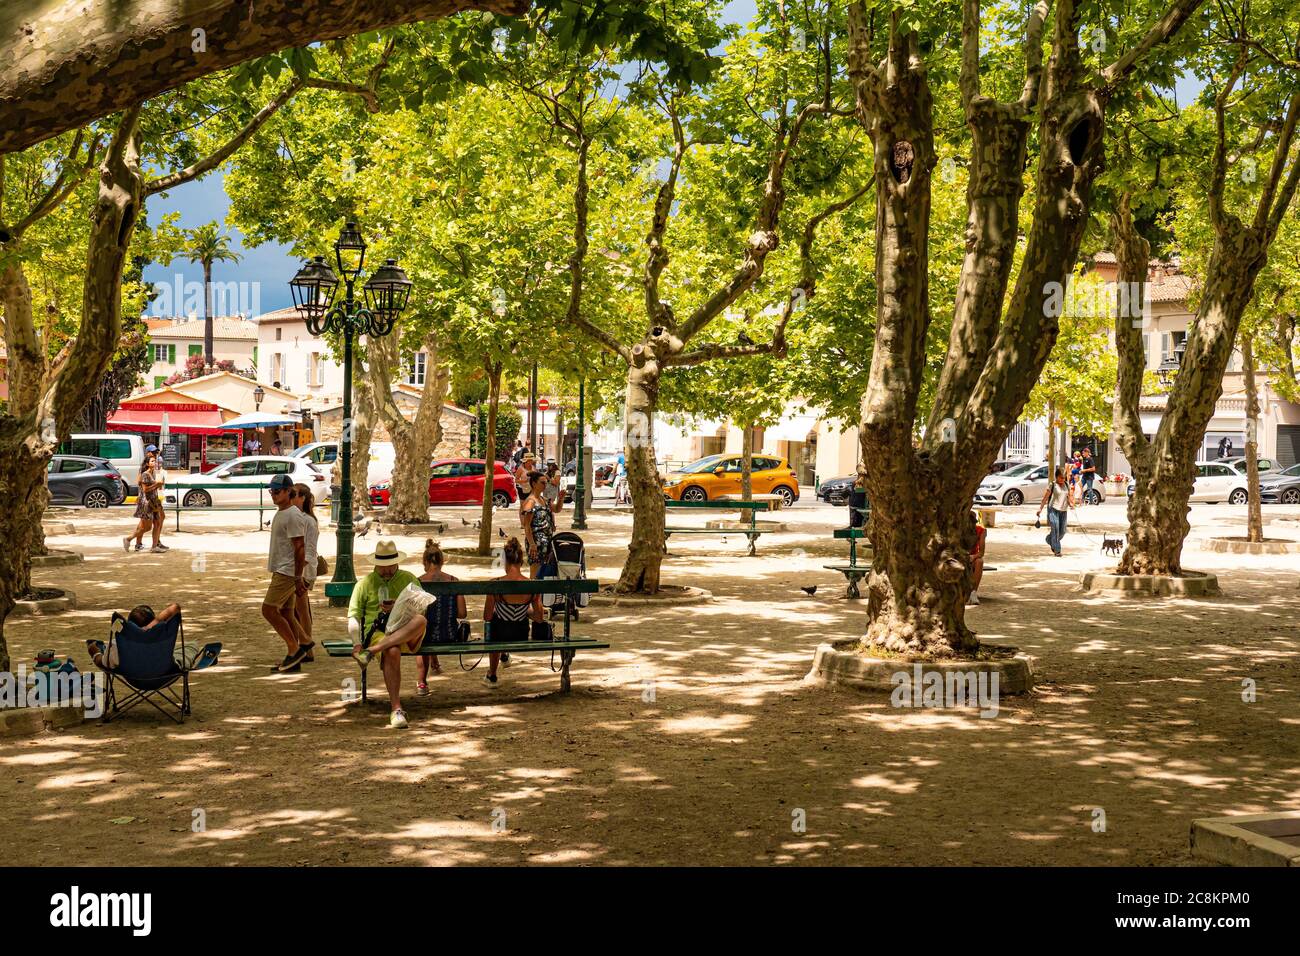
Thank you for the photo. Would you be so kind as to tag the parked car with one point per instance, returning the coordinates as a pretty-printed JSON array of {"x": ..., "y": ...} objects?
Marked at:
[
  {"x": 835, "y": 491},
  {"x": 1002, "y": 464},
  {"x": 1281, "y": 487},
  {"x": 718, "y": 475},
  {"x": 1014, "y": 486},
  {"x": 122, "y": 450},
  {"x": 457, "y": 481},
  {"x": 323, "y": 454},
  {"x": 252, "y": 469},
  {"x": 1215, "y": 482},
  {"x": 1238, "y": 464},
  {"x": 93, "y": 482}
]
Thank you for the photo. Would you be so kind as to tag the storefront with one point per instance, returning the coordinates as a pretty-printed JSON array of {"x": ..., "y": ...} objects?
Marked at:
[{"x": 195, "y": 438}]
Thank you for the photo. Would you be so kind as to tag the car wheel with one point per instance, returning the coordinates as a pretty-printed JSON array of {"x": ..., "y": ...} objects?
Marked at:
[
  {"x": 95, "y": 498},
  {"x": 500, "y": 499},
  {"x": 197, "y": 499},
  {"x": 1291, "y": 496},
  {"x": 1013, "y": 497},
  {"x": 1092, "y": 496},
  {"x": 694, "y": 493},
  {"x": 1238, "y": 497},
  {"x": 787, "y": 495}
]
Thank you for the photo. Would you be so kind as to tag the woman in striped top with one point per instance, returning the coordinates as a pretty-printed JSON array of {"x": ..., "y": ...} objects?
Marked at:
[{"x": 507, "y": 617}]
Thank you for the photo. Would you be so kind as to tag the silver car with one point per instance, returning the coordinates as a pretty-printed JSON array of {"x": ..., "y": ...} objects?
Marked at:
[{"x": 1015, "y": 486}]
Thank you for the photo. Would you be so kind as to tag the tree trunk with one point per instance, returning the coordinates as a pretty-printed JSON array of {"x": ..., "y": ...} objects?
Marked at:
[
  {"x": 1051, "y": 438},
  {"x": 646, "y": 549},
  {"x": 1254, "y": 517},
  {"x": 413, "y": 441},
  {"x": 66, "y": 65},
  {"x": 28, "y": 440},
  {"x": 208, "y": 361},
  {"x": 363, "y": 427},
  {"x": 489, "y": 458},
  {"x": 747, "y": 464}
]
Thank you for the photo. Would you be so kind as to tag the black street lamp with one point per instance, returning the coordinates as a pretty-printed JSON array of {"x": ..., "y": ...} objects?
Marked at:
[
  {"x": 259, "y": 393},
  {"x": 386, "y": 294},
  {"x": 1170, "y": 365}
]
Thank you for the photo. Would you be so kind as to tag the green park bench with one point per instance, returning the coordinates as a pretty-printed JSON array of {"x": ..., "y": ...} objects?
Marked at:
[
  {"x": 751, "y": 532},
  {"x": 565, "y": 645},
  {"x": 853, "y": 571}
]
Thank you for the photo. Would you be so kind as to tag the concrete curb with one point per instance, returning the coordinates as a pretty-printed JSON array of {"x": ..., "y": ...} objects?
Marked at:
[
  {"x": 28, "y": 721},
  {"x": 686, "y": 595},
  {"x": 1226, "y": 841},
  {"x": 57, "y": 559},
  {"x": 1191, "y": 584},
  {"x": 53, "y": 605},
  {"x": 1240, "y": 546},
  {"x": 58, "y": 527},
  {"x": 838, "y": 663}
]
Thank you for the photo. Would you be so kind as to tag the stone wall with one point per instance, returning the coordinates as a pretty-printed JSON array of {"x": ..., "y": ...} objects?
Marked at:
[{"x": 455, "y": 430}]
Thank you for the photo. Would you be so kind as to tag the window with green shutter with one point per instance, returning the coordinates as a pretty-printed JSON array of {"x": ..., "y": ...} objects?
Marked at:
[
  {"x": 158, "y": 381},
  {"x": 171, "y": 354},
  {"x": 196, "y": 350}
]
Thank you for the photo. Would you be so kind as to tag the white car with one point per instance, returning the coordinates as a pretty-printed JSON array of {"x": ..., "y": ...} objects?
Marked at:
[
  {"x": 1015, "y": 486},
  {"x": 1215, "y": 481},
  {"x": 253, "y": 470},
  {"x": 1238, "y": 465},
  {"x": 322, "y": 454}
]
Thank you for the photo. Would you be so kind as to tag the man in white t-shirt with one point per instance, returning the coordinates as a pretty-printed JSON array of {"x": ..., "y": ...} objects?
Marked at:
[{"x": 287, "y": 562}]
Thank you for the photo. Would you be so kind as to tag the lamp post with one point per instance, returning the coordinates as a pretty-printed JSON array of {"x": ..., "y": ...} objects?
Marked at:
[
  {"x": 1170, "y": 365},
  {"x": 259, "y": 393},
  {"x": 580, "y": 489},
  {"x": 386, "y": 293}
]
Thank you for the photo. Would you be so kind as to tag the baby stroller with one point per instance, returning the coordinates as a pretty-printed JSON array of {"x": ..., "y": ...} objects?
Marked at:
[{"x": 571, "y": 562}]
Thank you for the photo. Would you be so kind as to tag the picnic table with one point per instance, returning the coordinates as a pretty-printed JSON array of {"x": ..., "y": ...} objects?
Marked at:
[
  {"x": 751, "y": 532},
  {"x": 566, "y": 645}
]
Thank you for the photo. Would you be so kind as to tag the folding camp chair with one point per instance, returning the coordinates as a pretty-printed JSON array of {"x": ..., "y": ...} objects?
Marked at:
[{"x": 147, "y": 668}]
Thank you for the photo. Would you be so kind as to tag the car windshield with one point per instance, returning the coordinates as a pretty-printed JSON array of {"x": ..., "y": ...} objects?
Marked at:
[
  {"x": 1291, "y": 472},
  {"x": 1015, "y": 471},
  {"x": 704, "y": 464}
]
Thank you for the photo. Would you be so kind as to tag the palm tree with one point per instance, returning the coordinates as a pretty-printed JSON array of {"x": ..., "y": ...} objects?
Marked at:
[{"x": 207, "y": 245}]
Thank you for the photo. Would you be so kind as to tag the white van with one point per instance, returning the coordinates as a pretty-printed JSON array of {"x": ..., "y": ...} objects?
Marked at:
[
  {"x": 322, "y": 454},
  {"x": 124, "y": 450}
]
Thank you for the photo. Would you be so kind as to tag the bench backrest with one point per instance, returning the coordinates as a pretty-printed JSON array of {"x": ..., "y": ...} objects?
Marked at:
[
  {"x": 719, "y": 505},
  {"x": 548, "y": 586}
]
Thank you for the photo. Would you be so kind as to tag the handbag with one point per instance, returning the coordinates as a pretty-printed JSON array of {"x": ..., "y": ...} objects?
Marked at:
[
  {"x": 542, "y": 631},
  {"x": 322, "y": 566}
]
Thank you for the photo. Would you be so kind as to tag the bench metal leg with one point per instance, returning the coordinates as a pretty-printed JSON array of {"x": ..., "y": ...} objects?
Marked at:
[
  {"x": 853, "y": 586},
  {"x": 753, "y": 552},
  {"x": 364, "y": 698},
  {"x": 565, "y": 683}
]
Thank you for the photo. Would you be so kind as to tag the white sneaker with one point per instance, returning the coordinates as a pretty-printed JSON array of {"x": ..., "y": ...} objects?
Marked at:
[
  {"x": 397, "y": 721},
  {"x": 974, "y": 599},
  {"x": 159, "y": 549},
  {"x": 126, "y": 544}
]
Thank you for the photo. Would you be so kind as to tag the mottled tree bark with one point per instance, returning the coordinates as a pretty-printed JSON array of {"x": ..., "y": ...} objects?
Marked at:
[
  {"x": 413, "y": 441},
  {"x": 493, "y": 370},
  {"x": 63, "y": 64},
  {"x": 1254, "y": 515},
  {"x": 645, "y": 550},
  {"x": 747, "y": 462}
]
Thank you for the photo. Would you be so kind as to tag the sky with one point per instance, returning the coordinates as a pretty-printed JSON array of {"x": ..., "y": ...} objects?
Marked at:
[{"x": 269, "y": 267}]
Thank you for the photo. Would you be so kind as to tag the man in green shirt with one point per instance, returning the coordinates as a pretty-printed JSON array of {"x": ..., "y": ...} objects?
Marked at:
[{"x": 375, "y": 593}]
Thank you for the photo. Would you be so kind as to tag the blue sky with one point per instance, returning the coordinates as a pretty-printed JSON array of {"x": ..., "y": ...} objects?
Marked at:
[{"x": 269, "y": 265}]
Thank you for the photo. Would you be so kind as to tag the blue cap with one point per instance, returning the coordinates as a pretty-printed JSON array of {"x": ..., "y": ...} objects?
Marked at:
[
  {"x": 281, "y": 482},
  {"x": 150, "y": 447}
]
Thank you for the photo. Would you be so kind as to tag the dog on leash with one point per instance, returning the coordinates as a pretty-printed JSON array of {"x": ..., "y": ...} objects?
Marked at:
[{"x": 1112, "y": 546}]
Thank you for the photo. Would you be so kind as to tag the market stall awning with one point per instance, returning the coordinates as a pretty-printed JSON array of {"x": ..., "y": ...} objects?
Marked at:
[
  {"x": 261, "y": 420},
  {"x": 181, "y": 419}
]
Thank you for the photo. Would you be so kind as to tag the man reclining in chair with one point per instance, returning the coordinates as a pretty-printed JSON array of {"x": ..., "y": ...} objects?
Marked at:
[
  {"x": 373, "y": 599},
  {"x": 143, "y": 617}
]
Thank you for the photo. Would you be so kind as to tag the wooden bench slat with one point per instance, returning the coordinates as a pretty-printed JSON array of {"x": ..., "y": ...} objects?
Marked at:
[{"x": 344, "y": 648}]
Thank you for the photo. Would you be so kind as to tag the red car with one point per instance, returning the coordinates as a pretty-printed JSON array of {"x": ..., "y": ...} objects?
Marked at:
[{"x": 457, "y": 481}]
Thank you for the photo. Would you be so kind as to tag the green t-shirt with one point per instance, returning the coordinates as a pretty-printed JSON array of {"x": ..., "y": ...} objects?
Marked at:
[{"x": 364, "y": 606}]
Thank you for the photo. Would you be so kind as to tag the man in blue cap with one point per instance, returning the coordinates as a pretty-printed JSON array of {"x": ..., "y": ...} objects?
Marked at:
[{"x": 287, "y": 561}]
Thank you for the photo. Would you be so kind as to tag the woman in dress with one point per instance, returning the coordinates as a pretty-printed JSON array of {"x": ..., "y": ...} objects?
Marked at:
[
  {"x": 147, "y": 505},
  {"x": 554, "y": 490},
  {"x": 507, "y": 617},
  {"x": 539, "y": 527}
]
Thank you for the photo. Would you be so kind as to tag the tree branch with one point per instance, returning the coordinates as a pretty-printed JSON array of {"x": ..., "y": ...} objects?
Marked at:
[
  {"x": 1219, "y": 162},
  {"x": 1034, "y": 55},
  {"x": 1162, "y": 30},
  {"x": 1267, "y": 215}
]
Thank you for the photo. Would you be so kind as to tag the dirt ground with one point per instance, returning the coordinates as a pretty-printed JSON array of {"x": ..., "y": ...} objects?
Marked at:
[{"x": 692, "y": 741}]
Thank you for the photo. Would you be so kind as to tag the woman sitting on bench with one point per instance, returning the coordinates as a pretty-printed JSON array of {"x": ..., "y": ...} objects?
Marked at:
[
  {"x": 441, "y": 618},
  {"x": 507, "y": 617}
]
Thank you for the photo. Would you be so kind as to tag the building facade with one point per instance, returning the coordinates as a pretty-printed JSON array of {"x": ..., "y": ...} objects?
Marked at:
[{"x": 173, "y": 341}]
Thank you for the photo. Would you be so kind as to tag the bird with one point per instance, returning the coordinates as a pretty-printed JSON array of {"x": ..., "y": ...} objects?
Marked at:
[
  {"x": 809, "y": 590},
  {"x": 501, "y": 532},
  {"x": 744, "y": 339},
  {"x": 478, "y": 525},
  {"x": 463, "y": 522}
]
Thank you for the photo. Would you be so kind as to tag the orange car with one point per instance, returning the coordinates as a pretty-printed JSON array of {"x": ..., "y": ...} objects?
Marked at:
[{"x": 719, "y": 475}]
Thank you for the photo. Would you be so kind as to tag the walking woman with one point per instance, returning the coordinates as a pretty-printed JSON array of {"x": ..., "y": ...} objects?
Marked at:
[
  {"x": 306, "y": 501},
  {"x": 442, "y": 616},
  {"x": 507, "y": 617},
  {"x": 148, "y": 508},
  {"x": 554, "y": 490},
  {"x": 1057, "y": 501},
  {"x": 539, "y": 528}
]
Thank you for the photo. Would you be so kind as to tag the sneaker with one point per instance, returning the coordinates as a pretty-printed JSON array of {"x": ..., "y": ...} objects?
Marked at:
[
  {"x": 288, "y": 666},
  {"x": 973, "y": 600},
  {"x": 158, "y": 549},
  {"x": 505, "y": 660},
  {"x": 309, "y": 657},
  {"x": 363, "y": 657},
  {"x": 292, "y": 660},
  {"x": 126, "y": 544},
  {"x": 397, "y": 721},
  {"x": 161, "y": 547},
  {"x": 421, "y": 690},
  {"x": 490, "y": 680},
  {"x": 139, "y": 545}
]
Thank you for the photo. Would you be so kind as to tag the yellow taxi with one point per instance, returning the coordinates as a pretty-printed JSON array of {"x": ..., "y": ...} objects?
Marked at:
[{"x": 717, "y": 475}]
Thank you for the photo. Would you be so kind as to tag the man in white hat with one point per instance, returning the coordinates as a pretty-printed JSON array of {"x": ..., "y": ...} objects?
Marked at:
[{"x": 374, "y": 596}]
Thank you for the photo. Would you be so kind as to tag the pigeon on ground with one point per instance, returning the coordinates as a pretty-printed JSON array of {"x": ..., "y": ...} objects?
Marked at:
[
  {"x": 463, "y": 522},
  {"x": 501, "y": 532},
  {"x": 809, "y": 591},
  {"x": 478, "y": 525}
]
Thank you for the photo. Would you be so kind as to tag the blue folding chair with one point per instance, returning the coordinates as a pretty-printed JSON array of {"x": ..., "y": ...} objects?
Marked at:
[{"x": 147, "y": 668}]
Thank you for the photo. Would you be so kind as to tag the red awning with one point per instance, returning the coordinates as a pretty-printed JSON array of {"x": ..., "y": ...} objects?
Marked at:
[{"x": 129, "y": 419}]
